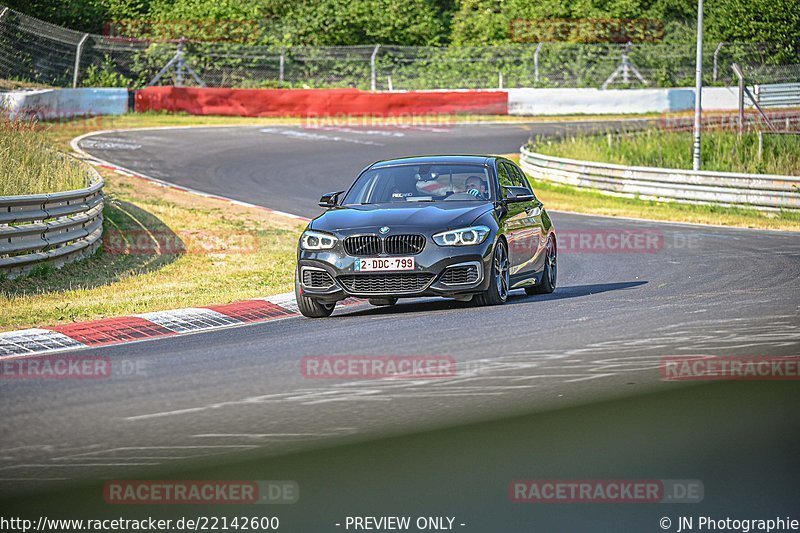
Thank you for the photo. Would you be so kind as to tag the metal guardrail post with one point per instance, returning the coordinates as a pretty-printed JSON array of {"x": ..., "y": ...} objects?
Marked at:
[
  {"x": 53, "y": 228},
  {"x": 373, "y": 72},
  {"x": 78, "y": 60}
]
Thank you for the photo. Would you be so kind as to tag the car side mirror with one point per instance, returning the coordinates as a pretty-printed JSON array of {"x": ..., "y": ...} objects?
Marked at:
[
  {"x": 330, "y": 199},
  {"x": 517, "y": 194}
]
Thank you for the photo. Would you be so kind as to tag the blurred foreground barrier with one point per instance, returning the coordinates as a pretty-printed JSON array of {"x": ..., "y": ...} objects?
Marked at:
[
  {"x": 54, "y": 228},
  {"x": 762, "y": 191}
]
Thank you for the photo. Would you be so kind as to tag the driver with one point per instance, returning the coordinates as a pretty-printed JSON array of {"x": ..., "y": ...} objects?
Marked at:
[{"x": 476, "y": 186}]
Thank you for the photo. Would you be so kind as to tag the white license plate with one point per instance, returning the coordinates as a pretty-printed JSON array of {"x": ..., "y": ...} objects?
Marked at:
[{"x": 384, "y": 263}]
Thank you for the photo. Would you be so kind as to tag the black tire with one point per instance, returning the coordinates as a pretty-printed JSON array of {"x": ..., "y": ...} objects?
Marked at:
[
  {"x": 382, "y": 301},
  {"x": 499, "y": 283},
  {"x": 550, "y": 273},
  {"x": 309, "y": 307}
]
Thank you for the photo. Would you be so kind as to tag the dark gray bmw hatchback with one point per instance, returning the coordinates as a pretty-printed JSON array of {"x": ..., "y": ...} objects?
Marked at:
[{"x": 464, "y": 227}]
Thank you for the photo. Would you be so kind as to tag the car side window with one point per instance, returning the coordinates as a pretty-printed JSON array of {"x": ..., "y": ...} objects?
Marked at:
[
  {"x": 522, "y": 178},
  {"x": 508, "y": 176},
  {"x": 504, "y": 176}
]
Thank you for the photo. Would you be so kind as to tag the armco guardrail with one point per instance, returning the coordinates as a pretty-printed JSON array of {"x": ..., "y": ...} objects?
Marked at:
[
  {"x": 53, "y": 228},
  {"x": 762, "y": 191},
  {"x": 778, "y": 94}
]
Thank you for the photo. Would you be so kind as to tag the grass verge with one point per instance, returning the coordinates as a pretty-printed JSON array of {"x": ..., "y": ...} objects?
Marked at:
[
  {"x": 29, "y": 165},
  {"x": 723, "y": 151},
  {"x": 567, "y": 198},
  {"x": 163, "y": 249}
]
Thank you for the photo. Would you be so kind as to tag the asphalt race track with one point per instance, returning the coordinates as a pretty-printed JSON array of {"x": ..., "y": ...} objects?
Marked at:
[
  {"x": 559, "y": 386},
  {"x": 241, "y": 163}
]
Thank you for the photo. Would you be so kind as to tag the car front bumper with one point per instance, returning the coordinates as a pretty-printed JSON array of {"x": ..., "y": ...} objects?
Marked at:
[{"x": 427, "y": 279}]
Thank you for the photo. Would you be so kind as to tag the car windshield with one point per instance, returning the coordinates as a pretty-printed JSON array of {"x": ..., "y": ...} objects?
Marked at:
[{"x": 421, "y": 183}]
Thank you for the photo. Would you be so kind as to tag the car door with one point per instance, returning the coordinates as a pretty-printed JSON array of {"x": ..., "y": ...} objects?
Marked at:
[
  {"x": 534, "y": 225},
  {"x": 516, "y": 220}
]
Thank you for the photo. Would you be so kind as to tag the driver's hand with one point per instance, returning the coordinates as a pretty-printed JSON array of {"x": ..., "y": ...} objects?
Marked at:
[{"x": 474, "y": 192}]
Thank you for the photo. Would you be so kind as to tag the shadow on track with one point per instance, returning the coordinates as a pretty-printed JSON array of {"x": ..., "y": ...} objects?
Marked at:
[
  {"x": 575, "y": 291},
  {"x": 517, "y": 297}
]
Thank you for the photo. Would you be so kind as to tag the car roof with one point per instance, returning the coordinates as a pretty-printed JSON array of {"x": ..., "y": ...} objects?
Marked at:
[{"x": 434, "y": 160}]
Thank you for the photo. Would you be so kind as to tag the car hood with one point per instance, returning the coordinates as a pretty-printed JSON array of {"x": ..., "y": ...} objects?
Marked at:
[{"x": 434, "y": 216}]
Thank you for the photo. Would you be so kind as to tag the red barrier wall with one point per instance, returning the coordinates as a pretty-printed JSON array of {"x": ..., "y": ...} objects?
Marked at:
[{"x": 318, "y": 102}]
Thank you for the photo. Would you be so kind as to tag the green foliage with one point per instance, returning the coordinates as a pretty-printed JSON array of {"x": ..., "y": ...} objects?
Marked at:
[
  {"x": 206, "y": 20},
  {"x": 351, "y": 22},
  {"x": 81, "y": 15},
  {"x": 224, "y": 32},
  {"x": 424, "y": 22},
  {"x": 105, "y": 74},
  {"x": 307, "y": 22},
  {"x": 775, "y": 21},
  {"x": 480, "y": 22}
]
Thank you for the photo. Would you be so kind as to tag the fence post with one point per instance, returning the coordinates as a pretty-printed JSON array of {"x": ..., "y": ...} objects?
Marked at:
[
  {"x": 500, "y": 80},
  {"x": 536, "y": 63},
  {"x": 77, "y": 59},
  {"x": 740, "y": 75},
  {"x": 698, "y": 92},
  {"x": 753, "y": 99},
  {"x": 716, "y": 55},
  {"x": 625, "y": 70},
  {"x": 760, "y": 145},
  {"x": 180, "y": 64},
  {"x": 282, "y": 64},
  {"x": 373, "y": 72}
]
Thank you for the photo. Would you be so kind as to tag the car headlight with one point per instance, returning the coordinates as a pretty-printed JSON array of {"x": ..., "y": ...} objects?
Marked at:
[
  {"x": 462, "y": 237},
  {"x": 315, "y": 240}
]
